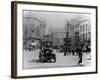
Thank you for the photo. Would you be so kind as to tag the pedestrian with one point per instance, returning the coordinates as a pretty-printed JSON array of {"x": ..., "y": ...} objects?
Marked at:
[
  {"x": 65, "y": 50},
  {"x": 80, "y": 54}
]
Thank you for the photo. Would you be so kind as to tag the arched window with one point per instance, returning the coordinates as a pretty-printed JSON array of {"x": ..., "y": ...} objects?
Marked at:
[
  {"x": 86, "y": 27},
  {"x": 83, "y": 27}
]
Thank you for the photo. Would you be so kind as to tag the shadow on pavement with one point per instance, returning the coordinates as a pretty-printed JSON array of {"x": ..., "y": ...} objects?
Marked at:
[{"x": 36, "y": 61}]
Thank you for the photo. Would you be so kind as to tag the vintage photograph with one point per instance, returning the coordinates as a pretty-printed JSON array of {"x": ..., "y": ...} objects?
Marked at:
[
  {"x": 56, "y": 39},
  {"x": 51, "y": 39}
]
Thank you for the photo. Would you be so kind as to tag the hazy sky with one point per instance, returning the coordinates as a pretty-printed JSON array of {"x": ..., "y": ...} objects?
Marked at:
[{"x": 54, "y": 19}]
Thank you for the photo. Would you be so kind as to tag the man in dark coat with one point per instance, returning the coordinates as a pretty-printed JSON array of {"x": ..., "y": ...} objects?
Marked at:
[{"x": 79, "y": 50}]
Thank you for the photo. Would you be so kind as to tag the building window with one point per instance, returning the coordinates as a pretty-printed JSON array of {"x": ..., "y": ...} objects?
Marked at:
[
  {"x": 89, "y": 35},
  {"x": 86, "y": 27},
  {"x": 83, "y": 36},
  {"x": 86, "y": 36},
  {"x": 83, "y": 28}
]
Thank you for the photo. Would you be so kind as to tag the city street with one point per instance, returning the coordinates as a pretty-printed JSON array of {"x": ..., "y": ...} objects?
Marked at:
[{"x": 31, "y": 60}]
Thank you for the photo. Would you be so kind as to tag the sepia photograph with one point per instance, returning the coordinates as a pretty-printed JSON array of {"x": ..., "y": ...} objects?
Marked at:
[{"x": 50, "y": 39}]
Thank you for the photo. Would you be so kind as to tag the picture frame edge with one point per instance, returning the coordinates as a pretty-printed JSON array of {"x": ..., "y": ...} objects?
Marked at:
[{"x": 14, "y": 38}]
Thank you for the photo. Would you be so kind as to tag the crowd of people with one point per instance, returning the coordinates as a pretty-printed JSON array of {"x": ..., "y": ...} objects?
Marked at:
[{"x": 41, "y": 45}]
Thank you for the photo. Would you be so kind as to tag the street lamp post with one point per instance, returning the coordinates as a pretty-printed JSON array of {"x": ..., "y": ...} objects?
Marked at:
[{"x": 66, "y": 40}]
